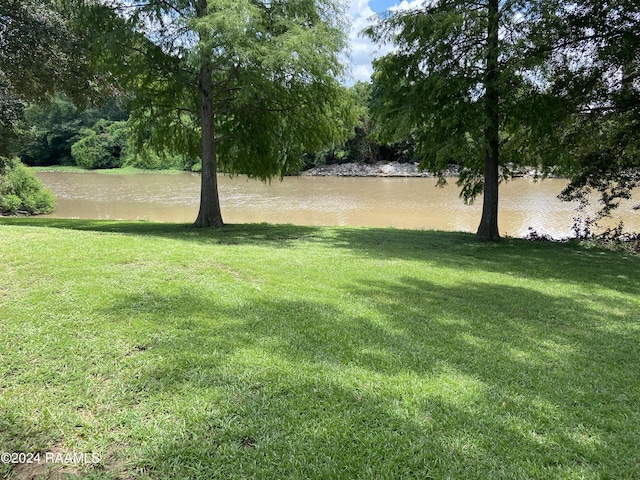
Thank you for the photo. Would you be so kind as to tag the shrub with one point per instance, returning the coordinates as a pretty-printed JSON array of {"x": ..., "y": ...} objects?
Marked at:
[
  {"x": 21, "y": 191},
  {"x": 102, "y": 146},
  {"x": 9, "y": 203},
  {"x": 152, "y": 160},
  {"x": 56, "y": 126}
]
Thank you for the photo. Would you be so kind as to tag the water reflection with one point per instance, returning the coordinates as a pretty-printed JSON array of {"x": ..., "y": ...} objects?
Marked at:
[{"x": 381, "y": 202}]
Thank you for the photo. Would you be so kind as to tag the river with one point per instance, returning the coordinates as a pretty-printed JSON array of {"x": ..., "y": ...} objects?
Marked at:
[{"x": 399, "y": 202}]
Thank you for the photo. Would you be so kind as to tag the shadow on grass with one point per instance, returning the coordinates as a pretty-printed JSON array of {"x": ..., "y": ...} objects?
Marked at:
[
  {"x": 569, "y": 263},
  {"x": 509, "y": 383},
  {"x": 249, "y": 234},
  {"x": 399, "y": 379}
]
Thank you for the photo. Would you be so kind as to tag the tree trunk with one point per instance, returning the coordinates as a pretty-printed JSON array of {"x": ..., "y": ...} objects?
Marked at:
[
  {"x": 488, "y": 229},
  {"x": 209, "y": 214}
]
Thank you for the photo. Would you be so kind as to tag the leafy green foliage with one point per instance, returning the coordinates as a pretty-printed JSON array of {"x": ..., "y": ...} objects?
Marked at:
[
  {"x": 41, "y": 53},
  {"x": 11, "y": 109},
  {"x": 151, "y": 160},
  {"x": 56, "y": 125},
  {"x": 20, "y": 191},
  {"x": 364, "y": 145},
  {"x": 606, "y": 159},
  {"x": 272, "y": 70},
  {"x": 62, "y": 134},
  {"x": 247, "y": 85},
  {"x": 597, "y": 133},
  {"x": 103, "y": 146},
  {"x": 432, "y": 88},
  {"x": 39, "y": 50}
]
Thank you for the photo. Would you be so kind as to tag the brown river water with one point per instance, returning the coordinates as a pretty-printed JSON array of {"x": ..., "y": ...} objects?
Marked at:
[{"x": 414, "y": 203}]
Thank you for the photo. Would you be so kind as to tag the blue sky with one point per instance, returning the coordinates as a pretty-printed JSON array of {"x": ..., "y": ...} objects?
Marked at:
[
  {"x": 362, "y": 49},
  {"x": 381, "y": 5}
]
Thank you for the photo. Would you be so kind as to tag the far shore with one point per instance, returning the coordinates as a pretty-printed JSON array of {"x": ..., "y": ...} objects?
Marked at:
[
  {"x": 378, "y": 169},
  {"x": 396, "y": 169}
]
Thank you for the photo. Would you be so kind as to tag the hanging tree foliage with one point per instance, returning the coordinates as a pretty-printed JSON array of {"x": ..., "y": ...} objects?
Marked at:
[
  {"x": 40, "y": 53},
  {"x": 245, "y": 85},
  {"x": 491, "y": 83},
  {"x": 464, "y": 81},
  {"x": 595, "y": 70}
]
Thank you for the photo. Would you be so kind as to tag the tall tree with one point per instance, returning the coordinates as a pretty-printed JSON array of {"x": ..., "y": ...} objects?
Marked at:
[
  {"x": 460, "y": 79},
  {"x": 247, "y": 85}
]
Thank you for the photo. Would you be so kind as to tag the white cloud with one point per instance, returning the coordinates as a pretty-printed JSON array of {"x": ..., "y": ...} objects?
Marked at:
[
  {"x": 361, "y": 48},
  {"x": 405, "y": 6}
]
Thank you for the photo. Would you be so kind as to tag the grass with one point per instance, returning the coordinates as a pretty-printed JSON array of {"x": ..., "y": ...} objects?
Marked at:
[{"x": 293, "y": 352}]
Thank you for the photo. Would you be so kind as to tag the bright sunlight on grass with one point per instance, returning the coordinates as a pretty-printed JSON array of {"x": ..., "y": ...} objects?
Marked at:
[{"x": 283, "y": 352}]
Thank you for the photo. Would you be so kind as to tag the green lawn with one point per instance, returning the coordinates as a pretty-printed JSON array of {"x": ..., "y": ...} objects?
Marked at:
[{"x": 283, "y": 352}]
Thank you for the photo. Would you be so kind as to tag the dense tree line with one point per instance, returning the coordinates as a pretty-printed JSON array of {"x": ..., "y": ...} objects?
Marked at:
[{"x": 59, "y": 133}]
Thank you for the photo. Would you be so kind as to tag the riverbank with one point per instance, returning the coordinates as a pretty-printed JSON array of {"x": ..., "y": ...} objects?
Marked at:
[
  {"x": 378, "y": 169},
  {"x": 395, "y": 169},
  {"x": 106, "y": 171},
  {"x": 261, "y": 351}
]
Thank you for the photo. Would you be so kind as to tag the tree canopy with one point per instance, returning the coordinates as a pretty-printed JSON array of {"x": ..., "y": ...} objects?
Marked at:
[
  {"x": 246, "y": 85},
  {"x": 595, "y": 71},
  {"x": 493, "y": 83},
  {"x": 40, "y": 53},
  {"x": 462, "y": 81}
]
